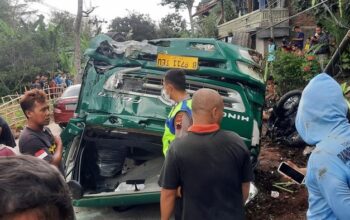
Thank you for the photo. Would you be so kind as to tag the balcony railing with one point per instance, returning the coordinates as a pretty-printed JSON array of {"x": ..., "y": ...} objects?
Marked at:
[{"x": 253, "y": 21}]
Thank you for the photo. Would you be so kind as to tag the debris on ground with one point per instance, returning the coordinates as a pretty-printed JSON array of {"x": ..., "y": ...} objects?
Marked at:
[
  {"x": 291, "y": 203},
  {"x": 275, "y": 194}
]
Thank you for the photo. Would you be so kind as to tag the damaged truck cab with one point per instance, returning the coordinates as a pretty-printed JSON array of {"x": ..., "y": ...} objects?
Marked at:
[{"x": 113, "y": 146}]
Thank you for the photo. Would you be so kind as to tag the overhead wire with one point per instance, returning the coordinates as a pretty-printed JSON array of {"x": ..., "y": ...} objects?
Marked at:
[
  {"x": 269, "y": 4},
  {"x": 290, "y": 17}
]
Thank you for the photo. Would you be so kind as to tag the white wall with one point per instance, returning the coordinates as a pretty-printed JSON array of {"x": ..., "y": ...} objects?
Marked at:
[{"x": 260, "y": 46}]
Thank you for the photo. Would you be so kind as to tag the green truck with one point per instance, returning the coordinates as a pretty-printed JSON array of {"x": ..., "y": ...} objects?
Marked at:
[{"x": 113, "y": 145}]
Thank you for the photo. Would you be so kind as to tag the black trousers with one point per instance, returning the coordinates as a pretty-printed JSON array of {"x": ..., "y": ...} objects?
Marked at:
[{"x": 178, "y": 209}]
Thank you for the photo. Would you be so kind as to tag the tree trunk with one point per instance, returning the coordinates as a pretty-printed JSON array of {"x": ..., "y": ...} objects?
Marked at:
[
  {"x": 191, "y": 20},
  {"x": 77, "y": 53},
  {"x": 223, "y": 18}
]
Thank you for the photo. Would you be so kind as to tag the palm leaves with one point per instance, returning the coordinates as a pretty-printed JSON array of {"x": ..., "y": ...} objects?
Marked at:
[
  {"x": 340, "y": 5},
  {"x": 6, "y": 30}
]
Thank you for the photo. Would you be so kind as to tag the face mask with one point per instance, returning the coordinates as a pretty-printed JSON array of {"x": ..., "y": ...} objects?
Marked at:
[{"x": 166, "y": 97}]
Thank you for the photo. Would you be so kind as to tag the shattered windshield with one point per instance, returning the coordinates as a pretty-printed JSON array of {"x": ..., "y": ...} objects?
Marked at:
[{"x": 132, "y": 81}]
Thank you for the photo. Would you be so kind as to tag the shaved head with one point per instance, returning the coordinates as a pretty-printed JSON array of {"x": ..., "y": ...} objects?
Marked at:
[{"x": 207, "y": 106}]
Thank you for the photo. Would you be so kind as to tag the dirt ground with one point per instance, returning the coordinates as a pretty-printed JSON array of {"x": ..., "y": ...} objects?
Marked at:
[{"x": 288, "y": 205}]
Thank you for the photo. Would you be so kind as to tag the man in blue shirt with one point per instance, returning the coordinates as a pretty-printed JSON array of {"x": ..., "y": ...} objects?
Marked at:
[
  {"x": 298, "y": 41},
  {"x": 58, "y": 80},
  {"x": 271, "y": 56},
  {"x": 271, "y": 47},
  {"x": 322, "y": 121}
]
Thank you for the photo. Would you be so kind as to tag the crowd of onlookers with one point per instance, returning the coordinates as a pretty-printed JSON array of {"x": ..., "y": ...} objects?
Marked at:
[
  {"x": 58, "y": 80},
  {"x": 318, "y": 44},
  {"x": 53, "y": 85}
]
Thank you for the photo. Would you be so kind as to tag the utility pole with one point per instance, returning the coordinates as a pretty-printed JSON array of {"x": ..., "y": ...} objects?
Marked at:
[
  {"x": 223, "y": 11},
  {"x": 77, "y": 52},
  {"x": 270, "y": 18}
]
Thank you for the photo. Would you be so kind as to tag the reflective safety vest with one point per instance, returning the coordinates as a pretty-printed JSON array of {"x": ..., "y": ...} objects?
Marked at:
[{"x": 169, "y": 132}]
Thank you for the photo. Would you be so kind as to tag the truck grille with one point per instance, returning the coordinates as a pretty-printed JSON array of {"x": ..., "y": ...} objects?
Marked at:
[{"x": 151, "y": 85}]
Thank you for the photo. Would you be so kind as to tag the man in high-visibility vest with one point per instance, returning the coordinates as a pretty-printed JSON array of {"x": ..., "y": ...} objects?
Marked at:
[{"x": 180, "y": 116}]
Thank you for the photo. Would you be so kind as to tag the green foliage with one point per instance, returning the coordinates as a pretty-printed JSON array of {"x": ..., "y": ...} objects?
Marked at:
[
  {"x": 293, "y": 72},
  {"x": 300, "y": 5},
  {"x": 345, "y": 88},
  {"x": 230, "y": 10},
  {"x": 6, "y": 30},
  {"x": 336, "y": 31},
  {"x": 207, "y": 27},
  {"x": 178, "y": 4},
  {"x": 337, "y": 27},
  {"x": 207, "y": 24},
  {"x": 29, "y": 46},
  {"x": 23, "y": 55},
  {"x": 345, "y": 61},
  {"x": 135, "y": 26},
  {"x": 172, "y": 25},
  {"x": 182, "y": 4},
  {"x": 66, "y": 61}
]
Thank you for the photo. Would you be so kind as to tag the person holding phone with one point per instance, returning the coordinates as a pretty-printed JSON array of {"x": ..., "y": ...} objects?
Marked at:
[
  {"x": 322, "y": 121},
  {"x": 320, "y": 38}
]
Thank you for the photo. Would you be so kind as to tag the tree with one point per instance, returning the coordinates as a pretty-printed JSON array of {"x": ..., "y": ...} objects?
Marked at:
[
  {"x": 65, "y": 22},
  {"x": 230, "y": 10},
  {"x": 29, "y": 46},
  {"x": 77, "y": 30},
  {"x": 24, "y": 53},
  {"x": 172, "y": 25},
  {"x": 5, "y": 10},
  {"x": 207, "y": 26},
  {"x": 207, "y": 22},
  {"x": 135, "y": 26},
  {"x": 181, "y": 4},
  {"x": 26, "y": 46}
]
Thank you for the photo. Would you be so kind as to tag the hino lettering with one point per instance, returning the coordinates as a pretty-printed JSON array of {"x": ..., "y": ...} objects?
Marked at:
[{"x": 236, "y": 116}]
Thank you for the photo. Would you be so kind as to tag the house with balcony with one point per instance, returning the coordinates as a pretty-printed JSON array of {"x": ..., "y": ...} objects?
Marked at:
[{"x": 251, "y": 27}]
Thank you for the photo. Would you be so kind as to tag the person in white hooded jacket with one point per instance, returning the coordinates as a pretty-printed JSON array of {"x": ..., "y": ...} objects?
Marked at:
[{"x": 322, "y": 121}]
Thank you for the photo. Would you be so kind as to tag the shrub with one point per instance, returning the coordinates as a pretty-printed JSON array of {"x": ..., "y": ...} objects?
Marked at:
[{"x": 293, "y": 72}]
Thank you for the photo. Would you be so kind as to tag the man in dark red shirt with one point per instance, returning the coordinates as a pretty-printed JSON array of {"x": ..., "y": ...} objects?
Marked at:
[{"x": 211, "y": 166}]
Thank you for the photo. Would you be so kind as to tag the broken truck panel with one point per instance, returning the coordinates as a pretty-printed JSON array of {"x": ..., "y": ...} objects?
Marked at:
[
  {"x": 220, "y": 62},
  {"x": 115, "y": 140}
]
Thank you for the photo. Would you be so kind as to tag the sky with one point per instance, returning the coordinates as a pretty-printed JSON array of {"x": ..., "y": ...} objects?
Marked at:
[{"x": 109, "y": 9}]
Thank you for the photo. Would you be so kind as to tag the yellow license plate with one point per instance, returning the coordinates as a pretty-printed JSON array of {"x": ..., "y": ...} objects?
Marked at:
[{"x": 181, "y": 62}]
